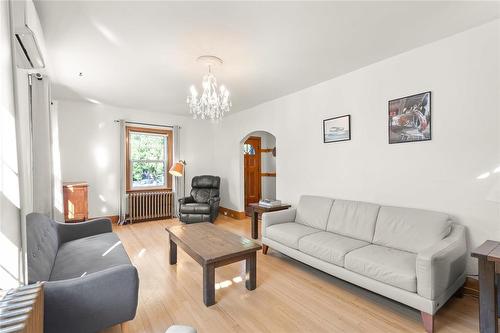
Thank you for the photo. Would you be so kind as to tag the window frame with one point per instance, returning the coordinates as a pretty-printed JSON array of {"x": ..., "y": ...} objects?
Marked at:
[{"x": 169, "y": 155}]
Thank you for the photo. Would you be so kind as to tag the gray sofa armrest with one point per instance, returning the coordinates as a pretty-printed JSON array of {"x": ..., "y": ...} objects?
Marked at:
[
  {"x": 281, "y": 216},
  {"x": 439, "y": 266},
  {"x": 71, "y": 231},
  {"x": 92, "y": 302}
]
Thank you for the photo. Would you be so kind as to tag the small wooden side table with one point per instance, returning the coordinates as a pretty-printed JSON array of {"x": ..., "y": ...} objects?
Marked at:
[
  {"x": 488, "y": 254},
  {"x": 75, "y": 196},
  {"x": 256, "y": 209}
]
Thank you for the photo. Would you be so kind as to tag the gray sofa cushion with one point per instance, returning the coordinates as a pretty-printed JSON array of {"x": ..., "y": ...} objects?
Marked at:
[
  {"x": 412, "y": 230},
  {"x": 43, "y": 242},
  {"x": 289, "y": 233},
  {"x": 88, "y": 255},
  {"x": 329, "y": 247},
  {"x": 313, "y": 211},
  {"x": 394, "y": 267},
  {"x": 354, "y": 219}
]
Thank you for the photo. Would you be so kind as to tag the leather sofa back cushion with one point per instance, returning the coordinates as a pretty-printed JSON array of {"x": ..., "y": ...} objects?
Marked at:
[
  {"x": 411, "y": 230},
  {"x": 42, "y": 244},
  {"x": 313, "y": 211},
  {"x": 202, "y": 195},
  {"x": 354, "y": 219}
]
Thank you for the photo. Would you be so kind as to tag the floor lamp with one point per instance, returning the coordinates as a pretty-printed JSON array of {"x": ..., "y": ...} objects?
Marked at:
[{"x": 178, "y": 170}]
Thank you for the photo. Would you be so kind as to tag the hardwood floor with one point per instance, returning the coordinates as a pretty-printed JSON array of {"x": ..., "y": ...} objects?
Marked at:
[{"x": 290, "y": 296}]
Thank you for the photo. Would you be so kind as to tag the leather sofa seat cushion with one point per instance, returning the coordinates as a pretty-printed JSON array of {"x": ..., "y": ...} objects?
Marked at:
[
  {"x": 289, "y": 233},
  {"x": 353, "y": 219},
  {"x": 195, "y": 208},
  {"x": 412, "y": 230},
  {"x": 313, "y": 211},
  {"x": 391, "y": 266},
  {"x": 88, "y": 255},
  {"x": 329, "y": 247}
]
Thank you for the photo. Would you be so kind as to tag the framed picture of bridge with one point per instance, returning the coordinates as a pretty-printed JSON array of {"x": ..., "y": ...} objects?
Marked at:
[
  {"x": 337, "y": 129},
  {"x": 410, "y": 118}
]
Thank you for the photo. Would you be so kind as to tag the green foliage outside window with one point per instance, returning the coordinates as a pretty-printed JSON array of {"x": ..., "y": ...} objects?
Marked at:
[{"x": 148, "y": 159}]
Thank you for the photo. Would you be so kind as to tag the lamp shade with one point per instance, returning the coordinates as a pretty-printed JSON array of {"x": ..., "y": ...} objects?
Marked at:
[{"x": 177, "y": 170}]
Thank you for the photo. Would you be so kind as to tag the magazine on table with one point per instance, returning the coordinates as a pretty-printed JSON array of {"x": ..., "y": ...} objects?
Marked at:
[{"x": 268, "y": 203}]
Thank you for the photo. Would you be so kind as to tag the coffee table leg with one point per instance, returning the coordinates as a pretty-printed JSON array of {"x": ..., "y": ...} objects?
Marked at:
[
  {"x": 251, "y": 274},
  {"x": 209, "y": 284},
  {"x": 255, "y": 224},
  {"x": 173, "y": 253}
]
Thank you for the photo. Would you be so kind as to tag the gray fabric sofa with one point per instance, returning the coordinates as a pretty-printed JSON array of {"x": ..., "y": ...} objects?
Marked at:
[
  {"x": 90, "y": 283},
  {"x": 413, "y": 256}
]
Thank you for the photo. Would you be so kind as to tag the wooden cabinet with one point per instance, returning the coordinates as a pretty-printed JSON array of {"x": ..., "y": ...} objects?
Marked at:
[{"x": 75, "y": 201}]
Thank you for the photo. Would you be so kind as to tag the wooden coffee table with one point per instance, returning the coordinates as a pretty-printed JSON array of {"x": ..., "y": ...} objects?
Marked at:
[{"x": 212, "y": 247}]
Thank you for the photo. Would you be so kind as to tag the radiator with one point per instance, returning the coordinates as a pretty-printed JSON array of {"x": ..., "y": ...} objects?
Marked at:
[{"x": 150, "y": 205}]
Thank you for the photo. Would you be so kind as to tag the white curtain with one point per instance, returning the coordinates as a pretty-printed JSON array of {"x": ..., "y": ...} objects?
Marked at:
[
  {"x": 177, "y": 181},
  {"x": 41, "y": 140},
  {"x": 123, "y": 193}
]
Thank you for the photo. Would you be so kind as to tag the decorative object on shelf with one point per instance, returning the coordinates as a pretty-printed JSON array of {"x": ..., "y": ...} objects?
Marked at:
[
  {"x": 337, "y": 129},
  {"x": 214, "y": 101},
  {"x": 410, "y": 118},
  {"x": 274, "y": 151},
  {"x": 177, "y": 170}
]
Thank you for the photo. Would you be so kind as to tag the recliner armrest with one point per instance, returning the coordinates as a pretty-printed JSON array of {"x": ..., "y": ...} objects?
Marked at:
[
  {"x": 213, "y": 200},
  {"x": 281, "y": 216},
  {"x": 92, "y": 302},
  {"x": 439, "y": 266},
  {"x": 186, "y": 200},
  {"x": 71, "y": 231}
]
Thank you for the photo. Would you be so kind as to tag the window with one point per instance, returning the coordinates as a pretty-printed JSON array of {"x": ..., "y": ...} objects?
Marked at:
[{"x": 149, "y": 157}]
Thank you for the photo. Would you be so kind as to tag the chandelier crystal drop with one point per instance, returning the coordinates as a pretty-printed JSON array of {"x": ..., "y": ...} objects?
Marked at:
[{"x": 214, "y": 101}]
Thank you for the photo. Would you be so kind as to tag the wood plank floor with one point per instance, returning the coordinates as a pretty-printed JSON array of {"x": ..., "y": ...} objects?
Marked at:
[{"x": 290, "y": 296}]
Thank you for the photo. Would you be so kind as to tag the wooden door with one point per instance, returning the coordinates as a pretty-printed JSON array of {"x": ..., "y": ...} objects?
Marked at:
[{"x": 252, "y": 170}]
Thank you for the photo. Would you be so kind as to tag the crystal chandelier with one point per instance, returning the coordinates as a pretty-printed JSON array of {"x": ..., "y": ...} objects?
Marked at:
[{"x": 213, "y": 102}]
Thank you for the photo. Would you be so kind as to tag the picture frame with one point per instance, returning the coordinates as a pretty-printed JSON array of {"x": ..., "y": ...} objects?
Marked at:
[
  {"x": 410, "y": 118},
  {"x": 337, "y": 129}
]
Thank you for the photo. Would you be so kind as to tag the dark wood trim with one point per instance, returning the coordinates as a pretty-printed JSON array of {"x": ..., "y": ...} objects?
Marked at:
[
  {"x": 471, "y": 287},
  {"x": 268, "y": 174},
  {"x": 232, "y": 213},
  {"x": 170, "y": 140},
  {"x": 114, "y": 218}
]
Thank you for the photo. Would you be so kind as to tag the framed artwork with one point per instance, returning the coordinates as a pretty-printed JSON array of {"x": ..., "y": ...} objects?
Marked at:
[
  {"x": 410, "y": 118},
  {"x": 337, "y": 129}
]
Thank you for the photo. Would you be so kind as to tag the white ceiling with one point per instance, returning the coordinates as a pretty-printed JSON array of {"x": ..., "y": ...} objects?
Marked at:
[{"x": 142, "y": 55}]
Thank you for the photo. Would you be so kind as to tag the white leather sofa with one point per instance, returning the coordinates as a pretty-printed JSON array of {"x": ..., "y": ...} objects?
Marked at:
[{"x": 413, "y": 256}]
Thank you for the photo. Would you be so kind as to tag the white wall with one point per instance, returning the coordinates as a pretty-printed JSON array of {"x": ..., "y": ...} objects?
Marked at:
[
  {"x": 11, "y": 262},
  {"x": 90, "y": 148},
  {"x": 463, "y": 74}
]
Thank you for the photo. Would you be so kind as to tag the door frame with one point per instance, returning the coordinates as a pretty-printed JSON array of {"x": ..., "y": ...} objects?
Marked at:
[{"x": 259, "y": 159}]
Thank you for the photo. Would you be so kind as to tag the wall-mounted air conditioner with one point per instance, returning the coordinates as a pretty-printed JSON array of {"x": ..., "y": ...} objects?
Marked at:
[{"x": 28, "y": 33}]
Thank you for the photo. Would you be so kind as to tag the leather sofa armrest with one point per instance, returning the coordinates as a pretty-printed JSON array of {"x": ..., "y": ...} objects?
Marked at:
[
  {"x": 186, "y": 200},
  {"x": 92, "y": 302},
  {"x": 71, "y": 231},
  {"x": 213, "y": 200},
  {"x": 281, "y": 216},
  {"x": 439, "y": 266}
]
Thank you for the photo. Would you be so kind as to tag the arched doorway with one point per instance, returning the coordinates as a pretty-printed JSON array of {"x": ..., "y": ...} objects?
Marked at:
[{"x": 259, "y": 167}]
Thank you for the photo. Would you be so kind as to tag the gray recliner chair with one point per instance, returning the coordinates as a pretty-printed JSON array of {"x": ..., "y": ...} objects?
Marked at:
[
  {"x": 203, "y": 203},
  {"x": 90, "y": 281}
]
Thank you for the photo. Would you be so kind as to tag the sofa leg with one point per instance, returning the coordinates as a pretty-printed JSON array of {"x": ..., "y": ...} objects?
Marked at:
[
  {"x": 264, "y": 248},
  {"x": 428, "y": 321},
  {"x": 123, "y": 327}
]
